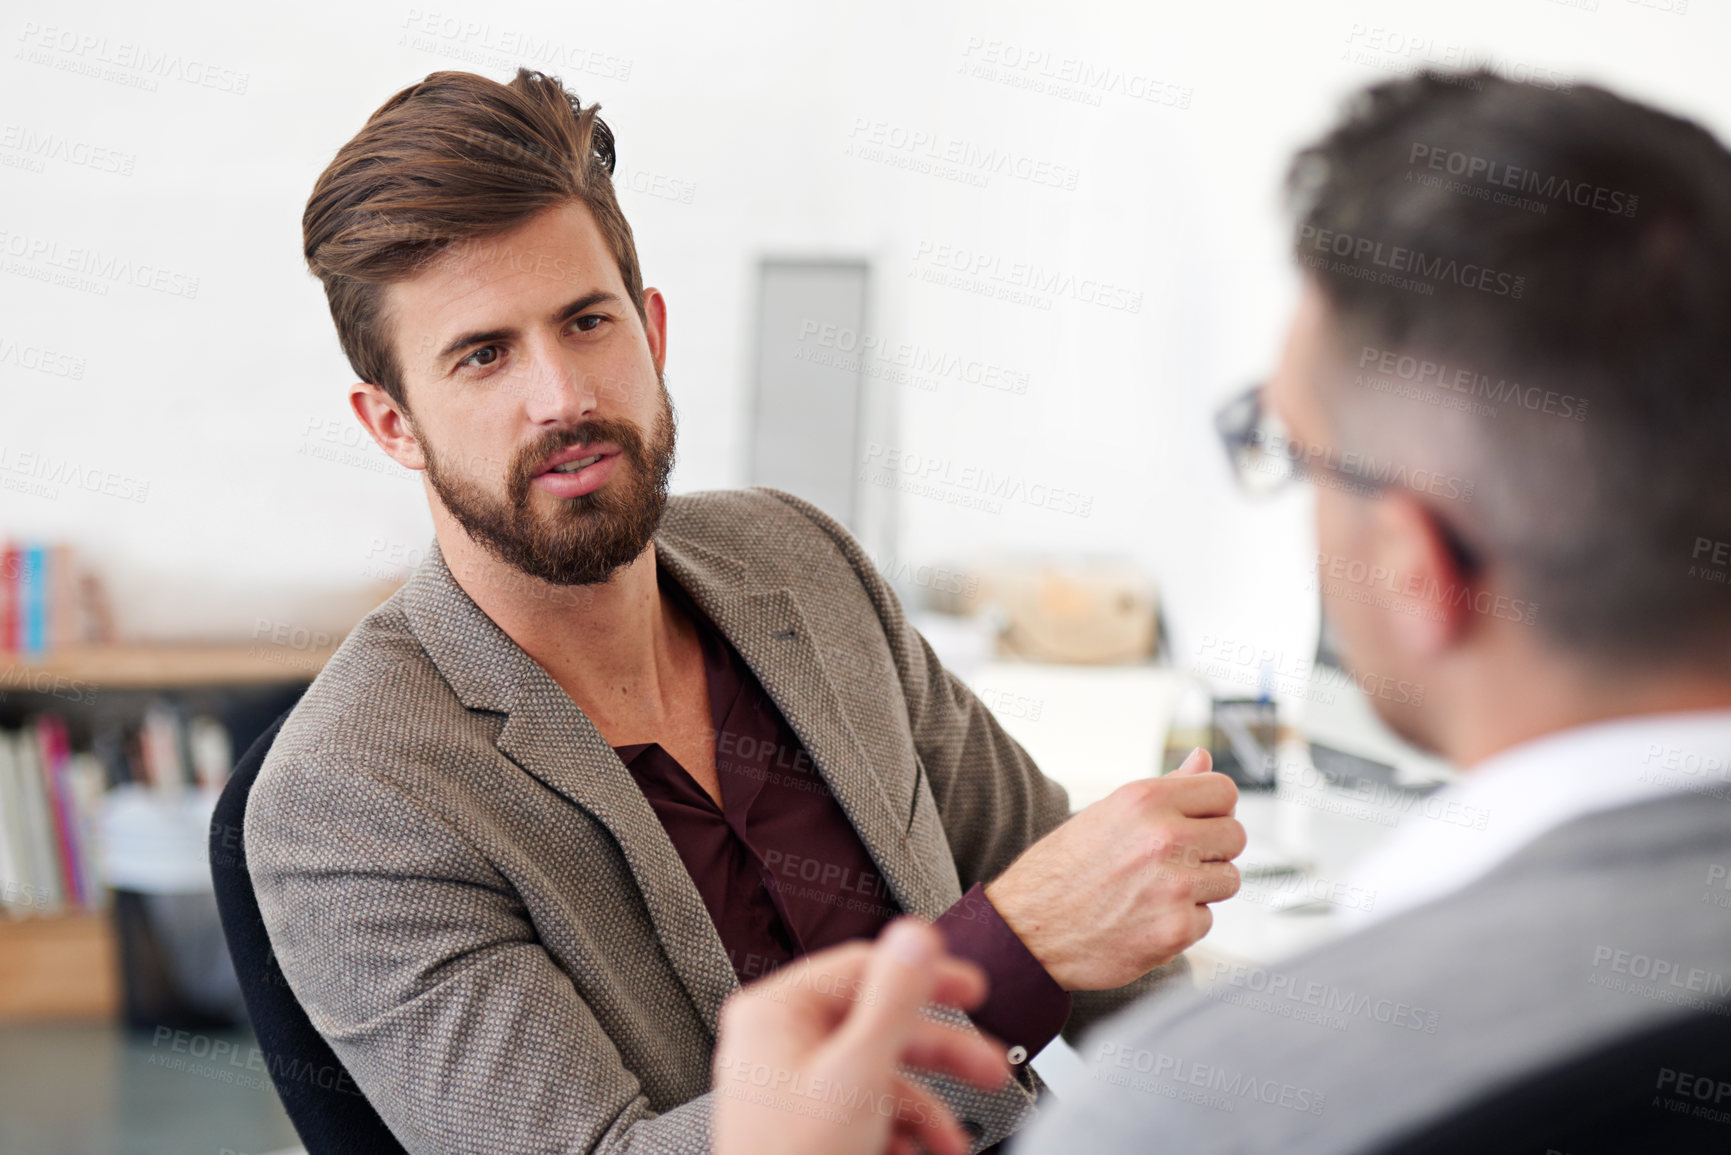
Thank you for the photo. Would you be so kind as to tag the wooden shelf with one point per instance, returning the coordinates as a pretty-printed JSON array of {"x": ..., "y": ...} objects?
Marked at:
[
  {"x": 148, "y": 667},
  {"x": 59, "y": 968},
  {"x": 66, "y": 967}
]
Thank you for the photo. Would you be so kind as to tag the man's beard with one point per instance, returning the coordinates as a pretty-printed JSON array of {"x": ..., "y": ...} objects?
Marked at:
[{"x": 587, "y": 538}]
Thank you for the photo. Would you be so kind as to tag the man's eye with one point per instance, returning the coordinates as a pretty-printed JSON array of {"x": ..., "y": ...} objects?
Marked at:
[
  {"x": 482, "y": 357},
  {"x": 589, "y": 322}
]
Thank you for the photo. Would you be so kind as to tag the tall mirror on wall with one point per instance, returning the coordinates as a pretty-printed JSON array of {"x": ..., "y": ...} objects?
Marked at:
[{"x": 812, "y": 408}]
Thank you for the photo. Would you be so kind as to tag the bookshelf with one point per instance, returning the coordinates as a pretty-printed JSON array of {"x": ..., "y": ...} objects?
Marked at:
[
  {"x": 60, "y": 968},
  {"x": 162, "y": 667},
  {"x": 64, "y": 966}
]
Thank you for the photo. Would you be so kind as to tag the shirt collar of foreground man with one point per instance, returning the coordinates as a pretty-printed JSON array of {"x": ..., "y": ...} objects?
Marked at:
[
  {"x": 1523, "y": 793},
  {"x": 1557, "y": 978}
]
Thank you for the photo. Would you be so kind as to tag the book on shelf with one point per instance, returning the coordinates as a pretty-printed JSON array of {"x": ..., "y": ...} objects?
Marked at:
[
  {"x": 53, "y": 799},
  {"x": 167, "y": 750},
  {"x": 10, "y": 566},
  {"x": 49, "y": 798},
  {"x": 49, "y": 600}
]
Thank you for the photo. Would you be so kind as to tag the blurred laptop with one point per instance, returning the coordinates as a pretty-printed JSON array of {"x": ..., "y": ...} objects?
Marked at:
[{"x": 1348, "y": 742}]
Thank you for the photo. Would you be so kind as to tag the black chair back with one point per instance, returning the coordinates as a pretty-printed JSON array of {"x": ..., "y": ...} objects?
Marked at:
[
  {"x": 1665, "y": 1089},
  {"x": 322, "y": 1100}
]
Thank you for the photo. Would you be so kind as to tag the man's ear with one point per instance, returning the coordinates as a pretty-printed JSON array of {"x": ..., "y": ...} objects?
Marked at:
[
  {"x": 655, "y": 326},
  {"x": 1436, "y": 596},
  {"x": 388, "y": 424}
]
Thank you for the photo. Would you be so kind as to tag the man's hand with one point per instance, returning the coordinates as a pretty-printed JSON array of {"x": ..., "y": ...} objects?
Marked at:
[
  {"x": 1123, "y": 886},
  {"x": 807, "y": 1059}
]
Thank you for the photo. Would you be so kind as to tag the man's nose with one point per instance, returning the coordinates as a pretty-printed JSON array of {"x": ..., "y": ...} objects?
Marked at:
[{"x": 560, "y": 390}]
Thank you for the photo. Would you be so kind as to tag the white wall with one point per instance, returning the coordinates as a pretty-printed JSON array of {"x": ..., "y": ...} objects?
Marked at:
[{"x": 212, "y": 400}]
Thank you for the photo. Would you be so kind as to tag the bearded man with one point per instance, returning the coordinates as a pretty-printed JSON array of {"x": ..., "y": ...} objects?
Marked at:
[{"x": 610, "y": 753}]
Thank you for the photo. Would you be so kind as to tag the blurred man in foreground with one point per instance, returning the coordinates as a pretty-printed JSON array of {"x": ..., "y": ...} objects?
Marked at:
[
  {"x": 807, "y": 1061},
  {"x": 1509, "y": 377}
]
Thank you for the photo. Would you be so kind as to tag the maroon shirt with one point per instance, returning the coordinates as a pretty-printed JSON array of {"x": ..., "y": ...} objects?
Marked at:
[{"x": 782, "y": 870}]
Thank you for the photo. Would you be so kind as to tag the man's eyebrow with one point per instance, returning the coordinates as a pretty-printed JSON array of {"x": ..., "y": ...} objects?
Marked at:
[{"x": 582, "y": 304}]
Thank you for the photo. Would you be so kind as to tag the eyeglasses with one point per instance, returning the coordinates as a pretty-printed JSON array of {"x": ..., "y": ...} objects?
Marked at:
[{"x": 1266, "y": 458}]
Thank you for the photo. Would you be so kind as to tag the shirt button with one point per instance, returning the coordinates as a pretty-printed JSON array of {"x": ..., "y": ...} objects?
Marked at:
[{"x": 1018, "y": 1054}]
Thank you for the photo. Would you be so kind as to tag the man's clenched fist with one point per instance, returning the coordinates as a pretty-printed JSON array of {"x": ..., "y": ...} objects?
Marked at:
[{"x": 1124, "y": 885}]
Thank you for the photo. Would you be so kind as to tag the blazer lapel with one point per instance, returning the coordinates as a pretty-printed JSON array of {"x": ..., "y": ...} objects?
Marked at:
[
  {"x": 773, "y": 635},
  {"x": 555, "y": 741},
  {"x": 551, "y": 738}
]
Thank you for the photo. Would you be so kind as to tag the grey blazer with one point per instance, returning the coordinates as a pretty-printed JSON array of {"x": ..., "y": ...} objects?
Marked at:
[
  {"x": 481, "y": 912},
  {"x": 1606, "y": 925}
]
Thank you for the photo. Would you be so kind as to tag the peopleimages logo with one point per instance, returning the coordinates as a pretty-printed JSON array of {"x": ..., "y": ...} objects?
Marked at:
[
  {"x": 1369, "y": 255},
  {"x": 39, "y": 146},
  {"x": 1245, "y": 663},
  {"x": 480, "y": 42},
  {"x": 45, "y": 467},
  {"x": 1424, "y": 373},
  {"x": 1718, "y": 880},
  {"x": 40, "y": 359},
  {"x": 938, "y": 154},
  {"x": 1551, "y": 188},
  {"x": 1659, "y": 979},
  {"x": 1231, "y": 982},
  {"x": 1343, "y": 576},
  {"x": 1066, "y": 77},
  {"x": 906, "y": 362},
  {"x": 45, "y": 254},
  {"x": 123, "y": 61},
  {"x": 1361, "y": 472},
  {"x": 1020, "y": 282},
  {"x": 964, "y": 484},
  {"x": 1718, "y": 552},
  {"x": 1172, "y": 1076}
]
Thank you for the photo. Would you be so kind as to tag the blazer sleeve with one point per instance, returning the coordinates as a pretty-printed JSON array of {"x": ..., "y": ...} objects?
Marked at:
[
  {"x": 413, "y": 958},
  {"x": 992, "y": 799}
]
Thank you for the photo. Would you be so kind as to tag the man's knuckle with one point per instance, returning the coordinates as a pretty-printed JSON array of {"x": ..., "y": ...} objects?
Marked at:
[
  {"x": 1152, "y": 846},
  {"x": 1130, "y": 795},
  {"x": 1172, "y": 938},
  {"x": 1169, "y": 880},
  {"x": 1240, "y": 838}
]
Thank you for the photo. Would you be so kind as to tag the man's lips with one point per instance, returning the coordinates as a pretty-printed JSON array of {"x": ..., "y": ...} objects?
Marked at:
[
  {"x": 577, "y": 482},
  {"x": 573, "y": 453}
]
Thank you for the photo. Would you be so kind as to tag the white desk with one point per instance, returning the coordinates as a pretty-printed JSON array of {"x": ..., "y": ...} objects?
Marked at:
[{"x": 1094, "y": 728}]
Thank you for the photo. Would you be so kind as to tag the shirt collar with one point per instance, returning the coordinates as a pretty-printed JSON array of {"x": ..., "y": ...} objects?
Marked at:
[{"x": 1535, "y": 787}]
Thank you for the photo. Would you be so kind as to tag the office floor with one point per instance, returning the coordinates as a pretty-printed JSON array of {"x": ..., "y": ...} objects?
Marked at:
[{"x": 97, "y": 1090}]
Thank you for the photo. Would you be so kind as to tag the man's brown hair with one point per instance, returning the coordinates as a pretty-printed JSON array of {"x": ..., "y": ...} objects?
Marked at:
[{"x": 455, "y": 158}]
